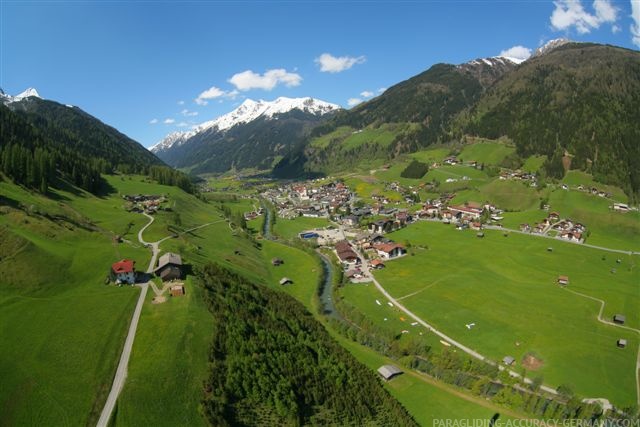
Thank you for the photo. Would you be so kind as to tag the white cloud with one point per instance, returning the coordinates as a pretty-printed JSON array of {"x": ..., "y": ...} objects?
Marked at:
[
  {"x": 180, "y": 102},
  {"x": 169, "y": 121},
  {"x": 635, "y": 27},
  {"x": 188, "y": 113},
  {"x": 615, "y": 29},
  {"x": 182, "y": 124},
  {"x": 366, "y": 94},
  {"x": 382, "y": 89},
  {"x": 211, "y": 93},
  {"x": 332, "y": 64},
  {"x": 517, "y": 52},
  {"x": 153, "y": 121},
  {"x": 351, "y": 102},
  {"x": 570, "y": 13},
  {"x": 248, "y": 80}
]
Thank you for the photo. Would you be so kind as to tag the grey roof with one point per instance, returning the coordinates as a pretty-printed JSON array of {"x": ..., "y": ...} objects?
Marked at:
[
  {"x": 622, "y": 342},
  {"x": 619, "y": 318},
  {"x": 508, "y": 360},
  {"x": 285, "y": 280},
  {"x": 169, "y": 258},
  {"x": 388, "y": 371}
]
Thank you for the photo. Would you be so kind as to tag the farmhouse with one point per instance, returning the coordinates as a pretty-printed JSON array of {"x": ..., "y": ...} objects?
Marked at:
[
  {"x": 169, "y": 267},
  {"x": 622, "y": 343},
  {"x": 377, "y": 264},
  {"x": 381, "y": 226},
  {"x": 563, "y": 280},
  {"x": 620, "y": 207},
  {"x": 177, "y": 290},
  {"x": 619, "y": 318},
  {"x": 346, "y": 253},
  {"x": 466, "y": 211},
  {"x": 124, "y": 271},
  {"x": 389, "y": 250},
  {"x": 388, "y": 371},
  {"x": 508, "y": 360}
]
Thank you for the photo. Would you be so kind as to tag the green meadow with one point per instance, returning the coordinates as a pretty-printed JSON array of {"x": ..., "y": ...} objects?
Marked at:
[
  {"x": 169, "y": 363},
  {"x": 290, "y": 228},
  {"x": 61, "y": 328},
  {"x": 507, "y": 286},
  {"x": 489, "y": 153}
]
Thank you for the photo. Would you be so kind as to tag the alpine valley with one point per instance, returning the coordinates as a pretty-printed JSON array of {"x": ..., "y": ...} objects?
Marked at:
[{"x": 463, "y": 246}]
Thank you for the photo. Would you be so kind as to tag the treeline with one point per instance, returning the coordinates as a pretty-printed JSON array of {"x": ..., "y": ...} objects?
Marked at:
[
  {"x": 38, "y": 154},
  {"x": 414, "y": 170},
  {"x": 168, "y": 176},
  {"x": 272, "y": 363},
  {"x": 30, "y": 158},
  {"x": 477, "y": 377}
]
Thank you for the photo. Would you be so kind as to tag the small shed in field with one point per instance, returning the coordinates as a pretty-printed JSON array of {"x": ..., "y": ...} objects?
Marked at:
[
  {"x": 563, "y": 280},
  {"x": 389, "y": 371},
  {"x": 619, "y": 318},
  {"x": 277, "y": 261},
  {"x": 622, "y": 343},
  {"x": 285, "y": 281},
  {"x": 177, "y": 290},
  {"x": 508, "y": 360}
]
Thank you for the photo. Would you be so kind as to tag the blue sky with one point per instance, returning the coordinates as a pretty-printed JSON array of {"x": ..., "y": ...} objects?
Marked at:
[{"x": 132, "y": 63}]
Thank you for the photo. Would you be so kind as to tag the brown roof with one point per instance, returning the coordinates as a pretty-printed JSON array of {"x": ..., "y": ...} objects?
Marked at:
[{"x": 563, "y": 278}]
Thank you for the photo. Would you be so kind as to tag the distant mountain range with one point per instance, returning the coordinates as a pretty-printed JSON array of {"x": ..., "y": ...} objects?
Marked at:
[{"x": 254, "y": 135}]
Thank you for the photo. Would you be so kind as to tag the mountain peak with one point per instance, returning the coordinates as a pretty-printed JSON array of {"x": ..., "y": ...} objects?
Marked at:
[
  {"x": 25, "y": 94},
  {"x": 550, "y": 45},
  {"x": 248, "y": 111}
]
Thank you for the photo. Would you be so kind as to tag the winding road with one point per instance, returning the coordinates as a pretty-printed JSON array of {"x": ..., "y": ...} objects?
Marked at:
[{"x": 121, "y": 372}]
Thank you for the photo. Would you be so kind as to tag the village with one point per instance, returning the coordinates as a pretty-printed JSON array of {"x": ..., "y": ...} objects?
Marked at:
[{"x": 357, "y": 236}]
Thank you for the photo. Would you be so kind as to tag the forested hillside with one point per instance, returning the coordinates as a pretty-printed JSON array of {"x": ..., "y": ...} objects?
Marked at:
[
  {"x": 272, "y": 363},
  {"x": 43, "y": 143},
  {"x": 577, "y": 102},
  {"x": 425, "y": 104},
  {"x": 582, "y": 99}
]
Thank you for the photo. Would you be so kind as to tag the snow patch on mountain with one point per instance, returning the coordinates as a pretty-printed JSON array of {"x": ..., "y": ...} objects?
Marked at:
[
  {"x": 7, "y": 99},
  {"x": 549, "y": 46},
  {"x": 247, "y": 112}
]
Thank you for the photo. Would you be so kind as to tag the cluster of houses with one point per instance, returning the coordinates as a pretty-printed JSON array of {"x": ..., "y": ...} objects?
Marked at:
[
  {"x": 467, "y": 215},
  {"x": 169, "y": 268},
  {"x": 565, "y": 228},
  {"x": 248, "y": 216},
  {"x": 518, "y": 175},
  {"x": 310, "y": 199},
  {"x": 376, "y": 247},
  {"x": 147, "y": 203}
]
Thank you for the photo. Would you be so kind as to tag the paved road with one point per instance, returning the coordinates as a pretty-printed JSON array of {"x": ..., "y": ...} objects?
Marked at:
[
  {"x": 602, "y": 248},
  {"x": 121, "y": 372},
  {"x": 367, "y": 273}
]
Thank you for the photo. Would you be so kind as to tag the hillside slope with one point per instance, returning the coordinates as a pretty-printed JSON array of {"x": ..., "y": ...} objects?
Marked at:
[{"x": 579, "y": 98}]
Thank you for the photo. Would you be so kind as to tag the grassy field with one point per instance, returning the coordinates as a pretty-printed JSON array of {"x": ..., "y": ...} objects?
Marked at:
[
  {"x": 169, "y": 363},
  {"x": 290, "y": 228},
  {"x": 61, "y": 328},
  {"x": 425, "y": 399},
  {"x": 454, "y": 282},
  {"x": 489, "y": 153},
  {"x": 533, "y": 163}
]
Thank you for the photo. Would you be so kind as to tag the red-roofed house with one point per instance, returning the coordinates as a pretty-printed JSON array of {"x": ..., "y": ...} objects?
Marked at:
[{"x": 124, "y": 271}]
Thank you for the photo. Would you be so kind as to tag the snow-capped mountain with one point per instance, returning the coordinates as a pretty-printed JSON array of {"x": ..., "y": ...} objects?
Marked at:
[
  {"x": 26, "y": 94},
  {"x": 247, "y": 112},
  {"x": 549, "y": 46},
  {"x": 253, "y": 136}
]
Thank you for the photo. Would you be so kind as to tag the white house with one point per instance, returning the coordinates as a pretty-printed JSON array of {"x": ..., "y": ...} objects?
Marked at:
[
  {"x": 124, "y": 271},
  {"x": 389, "y": 250}
]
